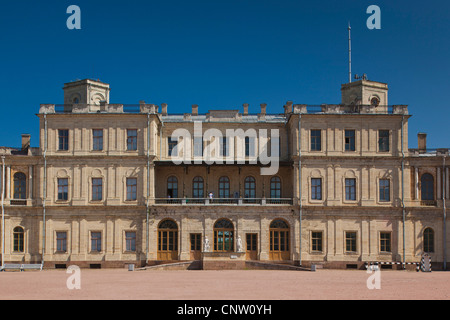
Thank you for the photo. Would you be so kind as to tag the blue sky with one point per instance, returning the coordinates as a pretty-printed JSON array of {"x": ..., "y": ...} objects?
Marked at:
[{"x": 221, "y": 54}]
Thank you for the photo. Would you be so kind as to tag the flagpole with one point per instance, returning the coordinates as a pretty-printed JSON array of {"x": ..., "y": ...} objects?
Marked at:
[
  {"x": 3, "y": 212},
  {"x": 349, "y": 53}
]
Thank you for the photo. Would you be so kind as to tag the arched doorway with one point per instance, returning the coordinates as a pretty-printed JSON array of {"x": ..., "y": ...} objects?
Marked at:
[
  {"x": 279, "y": 240},
  {"x": 223, "y": 236},
  {"x": 168, "y": 240}
]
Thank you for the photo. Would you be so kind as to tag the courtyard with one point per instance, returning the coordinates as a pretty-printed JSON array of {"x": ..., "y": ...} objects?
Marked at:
[{"x": 121, "y": 284}]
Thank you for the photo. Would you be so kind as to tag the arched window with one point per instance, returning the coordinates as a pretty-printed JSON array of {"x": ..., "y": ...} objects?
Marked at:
[
  {"x": 279, "y": 240},
  {"x": 198, "y": 188},
  {"x": 428, "y": 240},
  {"x": 223, "y": 236},
  {"x": 20, "y": 186},
  {"x": 275, "y": 188},
  {"x": 172, "y": 187},
  {"x": 427, "y": 187},
  {"x": 250, "y": 188},
  {"x": 18, "y": 234},
  {"x": 167, "y": 240},
  {"x": 224, "y": 187}
]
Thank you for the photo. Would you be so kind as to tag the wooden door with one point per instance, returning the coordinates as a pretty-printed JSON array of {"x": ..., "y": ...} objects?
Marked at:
[
  {"x": 196, "y": 246},
  {"x": 252, "y": 246}
]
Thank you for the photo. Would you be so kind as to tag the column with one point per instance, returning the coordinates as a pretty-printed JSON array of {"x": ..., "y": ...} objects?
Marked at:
[
  {"x": 438, "y": 184},
  {"x": 30, "y": 182},
  {"x": 8, "y": 182},
  {"x": 447, "y": 183},
  {"x": 416, "y": 183}
]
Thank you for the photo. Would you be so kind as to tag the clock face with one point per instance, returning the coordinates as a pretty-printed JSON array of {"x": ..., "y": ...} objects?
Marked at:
[{"x": 374, "y": 102}]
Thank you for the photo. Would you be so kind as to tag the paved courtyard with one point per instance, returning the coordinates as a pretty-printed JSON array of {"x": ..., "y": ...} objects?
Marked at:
[{"x": 223, "y": 285}]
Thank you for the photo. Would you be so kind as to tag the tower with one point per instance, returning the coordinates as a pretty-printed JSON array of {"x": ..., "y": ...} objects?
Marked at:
[{"x": 86, "y": 91}]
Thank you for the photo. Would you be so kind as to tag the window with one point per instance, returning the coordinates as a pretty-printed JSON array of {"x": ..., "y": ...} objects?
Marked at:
[
  {"x": 250, "y": 188},
  {"x": 316, "y": 140},
  {"x": 196, "y": 241},
  {"x": 131, "y": 189},
  {"x": 224, "y": 187},
  {"x": 131, "y": 139},
  {"x": 428, "y": 240},
  {"x": 63, "y": 189},
  {"x": 172, "y": 187},
  {"x": 224, "y": 147},
  {"x": 130, "y": 241},
  {"x": 20, "y": 186},
  {"x": 252, "y": 241},
  {"x": 18, "y": 234},
  {"x": 383, "y": 140},
  {"x": 385, "y": 242},
  {"x": 96, "y": 241},
  {"x": 350, "y": 189},
  {"x": 427, "y": 186},
  {"x": 350, "y": 241},
  {"x": 249, "y": 146},
  {"x": 63, "y": 139},
  {"x": 385, "y": 190},
  {"x": 275, "y": 188},
  {"x": 316, "y": 241},
  {"x": 223, "y": 236},
  {"x": 97, "y": 143},
  {"x": 97, "y": 189},
  {"x": 198, "y": 146},
  {"x": 61, "y": 242},
  {"x": 316, "y": 189},
  {"x": 167, "y": 240},
  {"x": 197, "y": 188},
  {"x": 172, "y": 147},
  {"x": 350, "y": 140}
]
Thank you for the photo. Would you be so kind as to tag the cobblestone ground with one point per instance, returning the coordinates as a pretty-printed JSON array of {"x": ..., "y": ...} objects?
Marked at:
[{"x": 223, "y": 285}]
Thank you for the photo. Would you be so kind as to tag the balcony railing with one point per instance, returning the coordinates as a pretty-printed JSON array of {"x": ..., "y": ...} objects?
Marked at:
[{"x": 225, "y": 201}]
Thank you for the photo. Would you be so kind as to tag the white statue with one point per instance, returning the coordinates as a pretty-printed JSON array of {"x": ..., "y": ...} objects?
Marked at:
[
  {"x": 239, "y": 244},
  {"x": 206, "y": 245}
]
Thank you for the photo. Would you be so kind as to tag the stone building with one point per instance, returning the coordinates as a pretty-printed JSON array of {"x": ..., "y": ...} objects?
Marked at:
[{"x": 331, "y": 185}]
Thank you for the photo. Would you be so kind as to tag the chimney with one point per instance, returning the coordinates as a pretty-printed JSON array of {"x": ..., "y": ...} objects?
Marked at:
[
  {"x": 245, "y": 109},
  {"x": 422, "y": 142},
  {"x": 164, "y": 109},
  {"x": 26, "y": 138},
  {"x": 195, "y": 110},
  {"x": 263, "y": 108},
  {"x": 288, "y": 107}
]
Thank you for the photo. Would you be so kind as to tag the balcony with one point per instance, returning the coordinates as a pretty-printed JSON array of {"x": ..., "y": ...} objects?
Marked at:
[{"x": 225, "y": 201}]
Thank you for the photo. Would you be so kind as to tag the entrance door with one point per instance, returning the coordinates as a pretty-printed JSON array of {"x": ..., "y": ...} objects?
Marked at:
[
  {"x": 196, "y": 246},
  {"x": 279, "y": 241},
  {"x": 252, "y": 246},
  {"x": 168, "y": 240}
]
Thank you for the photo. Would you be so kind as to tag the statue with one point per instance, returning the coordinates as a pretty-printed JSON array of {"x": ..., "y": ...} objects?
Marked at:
[
  {"x": 206, "y": 245},
  {"x": 239, "y": 244}
]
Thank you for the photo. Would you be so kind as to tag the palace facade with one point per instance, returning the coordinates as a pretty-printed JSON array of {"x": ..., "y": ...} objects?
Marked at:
[{"x": 103, "y": 189}]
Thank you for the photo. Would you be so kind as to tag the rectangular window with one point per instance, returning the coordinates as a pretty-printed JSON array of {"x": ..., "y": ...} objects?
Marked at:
[
  {"x": 97, "y": 143},
  {"x": 61, "y": 241},
  {"x": 172, "y": 147},
  {"x": 383, "y": 140},
  {"x": 96, "y": 241},
  {"x": 316, "y": 140},
  {"x": 198, "y": 146},
  {"x": 224, "y": 147},
  {"x": 131, "y": 139},
  {"x": 350, "y": 189},
  {"x": 131, "y": 189},
  {"x": 350, "y": 144},
  {"x": 385, "y": 242},
  {"x": 249, "y": 146},
  {"x": 316, "y": 241},
  {"x": 350, "y": 241},
  {"x": 63, "y": 139},
  {"x": 63, "y": 189},
  {"x": 97, "y": 189},
  {"x": 316, "y": 189},
  {"x": 385, "y": 190},
  {"x": 130, "y": 241},
  {"x": 196, "y": 242}
]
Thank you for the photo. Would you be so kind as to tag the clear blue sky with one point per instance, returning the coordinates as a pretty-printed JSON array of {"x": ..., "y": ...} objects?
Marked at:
[{"x": 221, "y": 54}]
